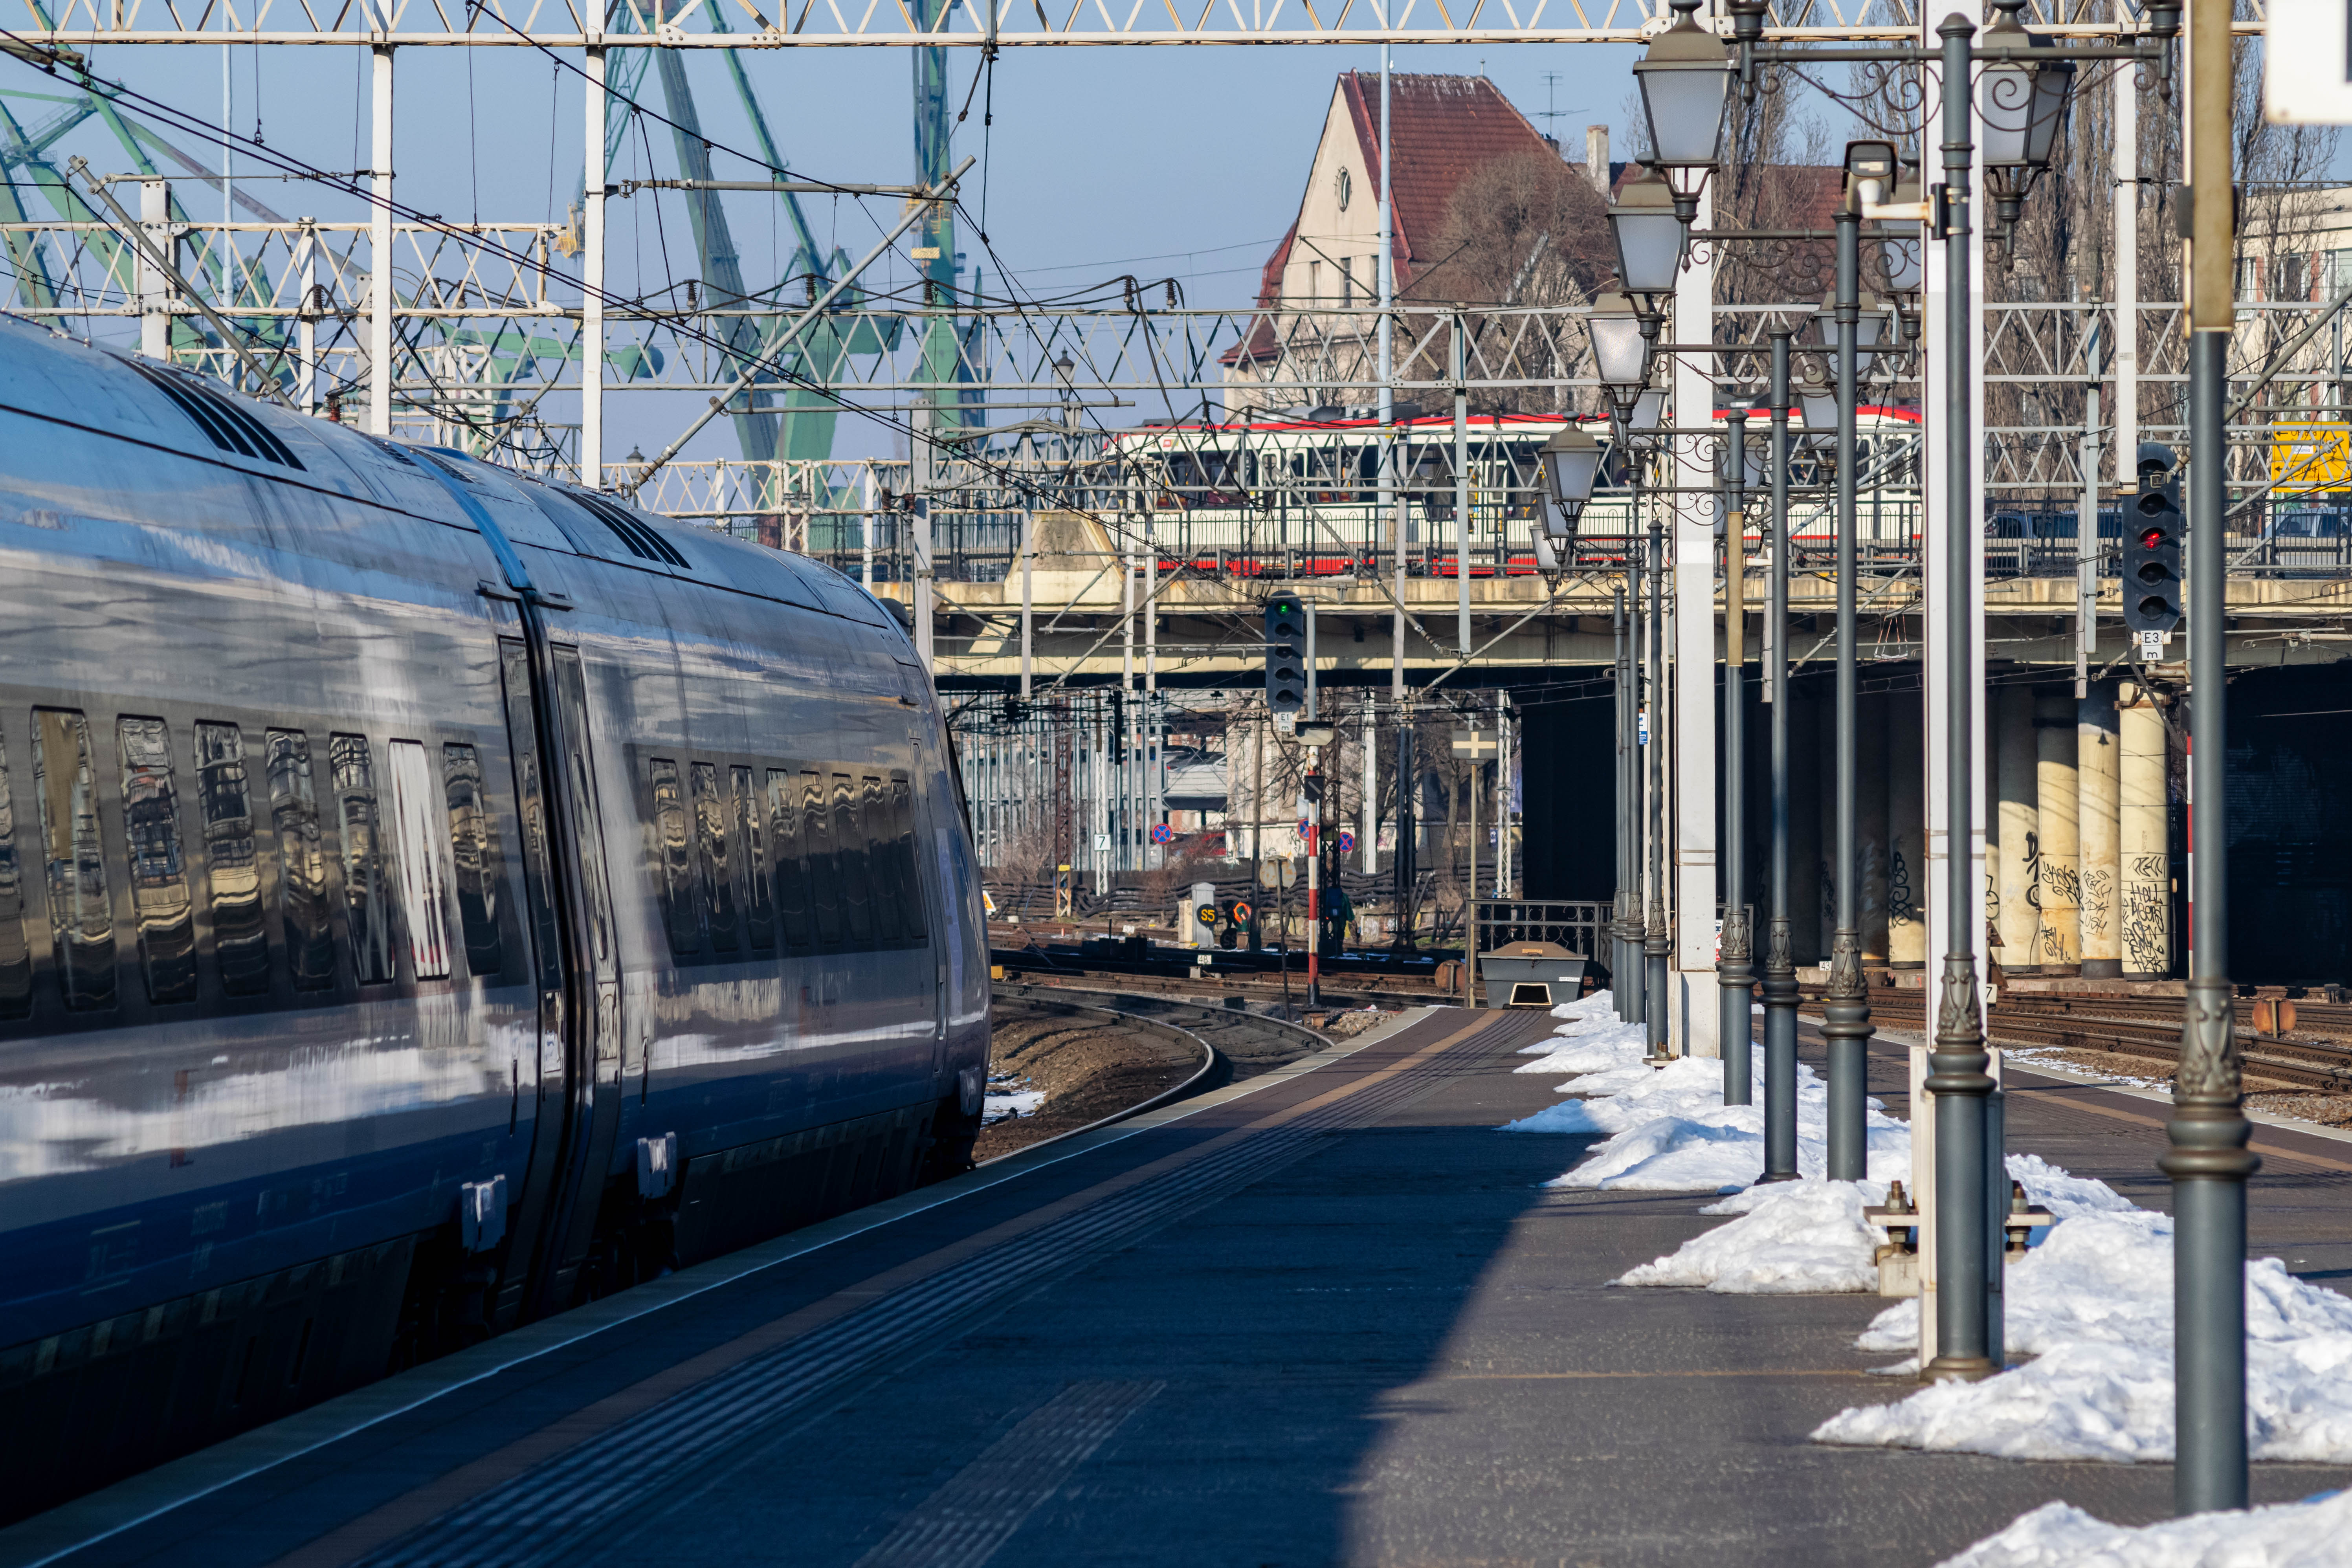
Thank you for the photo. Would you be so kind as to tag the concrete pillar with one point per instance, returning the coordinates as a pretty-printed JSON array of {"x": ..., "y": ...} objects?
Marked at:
[
  {"x": 2145, "y": 898},
  {"x": 2059, "y": 876},
  {"x": 1870, "y": 825},
  {"x": 2098, "y": 773},
  {"x": 1806, "y": 899},
  {"x": 2017, "y": 853},
  {"x": 1907, "y": 833}
]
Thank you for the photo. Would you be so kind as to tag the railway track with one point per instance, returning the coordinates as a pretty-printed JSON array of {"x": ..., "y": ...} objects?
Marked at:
[
  {"x": 1210, "y": 990},
  {"x": 2147, "y": 1028}
]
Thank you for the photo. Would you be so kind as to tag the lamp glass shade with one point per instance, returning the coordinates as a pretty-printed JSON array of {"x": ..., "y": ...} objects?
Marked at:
[
  {"x": 1559, "y": 517},
  {"x": 1648, "y": 235},
  {"x": 1817, "y": 400},
  {"x": 2005, "y": 98},
  {"x": 2054, "y": 86},
  {"x": 1904, "y": 271},
  {"x": 1871, "y": 324},
  {"x": 1620, "y": 354},
  {"x": 1550, "y": 557},
  {"x": 1649, "y": 417},
  {"x": 1571, "y": 466},
  {"x": 1683, "y": 95}
]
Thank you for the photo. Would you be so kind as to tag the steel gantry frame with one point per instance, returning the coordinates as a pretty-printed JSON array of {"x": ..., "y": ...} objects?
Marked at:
[{"x": 968, "y": 24}]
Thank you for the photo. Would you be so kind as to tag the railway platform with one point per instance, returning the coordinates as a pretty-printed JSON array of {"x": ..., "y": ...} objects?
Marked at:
[{"x": 1328, "y": 1314}]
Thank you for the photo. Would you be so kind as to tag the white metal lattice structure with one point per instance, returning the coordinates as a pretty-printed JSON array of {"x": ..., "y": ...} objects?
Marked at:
[{"x": 971, "y": 24}]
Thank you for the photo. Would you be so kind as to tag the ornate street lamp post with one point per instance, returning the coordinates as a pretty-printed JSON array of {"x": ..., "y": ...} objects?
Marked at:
[
  {"x": 1734, "y": 972},
  {"x": 1779, "y": 965}
]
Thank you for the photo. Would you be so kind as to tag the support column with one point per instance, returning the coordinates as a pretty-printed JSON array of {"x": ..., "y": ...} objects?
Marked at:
[
  {"x": 2126, "y": 226},
  {"x": 592, "y": 280},
  {"x": 154, "y": 287},
  {"x": 2018, "y": 917},
  {"x": 1698, "y": 990},
  {"x": 1871, "y": 811},
  {"x": 2098, "y": 774},
  {"x": 2059, "y": 879},
  {"x": 379, "y": 285},
  {"x": 1825, "y": 819},
  {"x": 1368, "y": 831},
  {"x": 2145, "y": 898},
  {"x": 1807, "y": 899},
  {"x": 1906, "y": 823},
  {"x": 1028, "y": 597}
]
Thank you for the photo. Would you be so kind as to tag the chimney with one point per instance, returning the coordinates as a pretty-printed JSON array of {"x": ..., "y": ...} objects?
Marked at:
[{"x": 1596, "y": 157}]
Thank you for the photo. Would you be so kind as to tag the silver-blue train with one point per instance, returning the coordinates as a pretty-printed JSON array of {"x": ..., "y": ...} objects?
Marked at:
[{"x": 429, "y": 898}]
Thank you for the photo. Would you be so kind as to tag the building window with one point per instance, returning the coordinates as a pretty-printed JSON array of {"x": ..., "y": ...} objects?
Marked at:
[
  {"x": 1346, "y": 281},
  {"x": 1344, "y": 184}
]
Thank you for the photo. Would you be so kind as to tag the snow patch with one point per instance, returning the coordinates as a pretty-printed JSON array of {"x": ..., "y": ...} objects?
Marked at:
[
  {"x": 2092, "y": 1304},
  {"x": 1791, "y": 1238},
  {"x": 2306, "y": 1534}
]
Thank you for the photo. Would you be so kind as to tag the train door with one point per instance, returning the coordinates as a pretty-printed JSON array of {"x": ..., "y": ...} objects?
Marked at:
[
  {"x": 554, "y": 1116},
  {"x": 911, "y": 681},
  {"x": 578, "y": 969},
  {"x": 595, "y": 974}
]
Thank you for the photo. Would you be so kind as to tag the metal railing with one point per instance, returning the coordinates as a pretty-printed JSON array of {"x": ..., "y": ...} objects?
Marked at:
[{"x": 1577, "y": 925}]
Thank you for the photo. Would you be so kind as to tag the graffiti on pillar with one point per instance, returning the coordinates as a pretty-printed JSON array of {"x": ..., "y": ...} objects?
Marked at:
[
  {"x": 1992, "y": 903},
  {"x": 2146, "y": 915},
  {"x": 1900, "y": 913},
  {"x": 2033, "y": 872},
  {"x": 2097, "y": 897}
]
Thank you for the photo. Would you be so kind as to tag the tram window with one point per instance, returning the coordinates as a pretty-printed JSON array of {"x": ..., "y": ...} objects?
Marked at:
[
  {"x": 902, "y": 858},
  {"x": 474, "y": 841},
  {"x": 301, "y": 860},
  {"x": 824, "y": 873},
  {"x": 874, "y": 802},
  {"x": 791, "y": 869},
  {"x": 717, "y": 859},
  {"x": 16, "y": 958},
  {"x": 82, "y": 916},
  {"x": 232, "y": 867},
  {"x": 849, "y": 862},
  {"x": 671, "y": 845},
  {"x": 423, "y": 874},
  {"x": 751, "y": 889},
  {"x": 367, "y": 912}
]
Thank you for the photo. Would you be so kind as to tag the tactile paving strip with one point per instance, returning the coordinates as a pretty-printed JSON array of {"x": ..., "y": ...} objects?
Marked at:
[{"x": 554, "y": 1510}]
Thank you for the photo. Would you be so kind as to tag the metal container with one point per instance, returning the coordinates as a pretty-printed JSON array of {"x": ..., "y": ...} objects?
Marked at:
[{"x": 1531, "y": 975}]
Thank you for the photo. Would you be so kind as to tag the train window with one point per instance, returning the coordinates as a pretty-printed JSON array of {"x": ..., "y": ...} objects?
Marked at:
[
  {"x": 752, "y": 891},
  {"x": 232, "y": 867},
  {"x": 82, "y": 916},
  {"x": 367, "y": 909},
  {"x": 474, "y": 841},
  {"x": 874, "y": 803},
  {"x": 791, "y": 869},
  {"x": 16, "y": 958},
  {"x": 672, "y": 845},
  {"x": 160, "y": 906},
  {"x": 716, "y": 859},
  {"x": 903, "y": 862},
  {"x": 825, "y": 875},
  {"x": 850, "y": 863},
  {"x": 302, "y": 858},
  {"x": 423, "y": 874}
]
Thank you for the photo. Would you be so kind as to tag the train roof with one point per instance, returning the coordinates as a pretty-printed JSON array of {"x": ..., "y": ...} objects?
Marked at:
[{"x": 48, "y": 374}]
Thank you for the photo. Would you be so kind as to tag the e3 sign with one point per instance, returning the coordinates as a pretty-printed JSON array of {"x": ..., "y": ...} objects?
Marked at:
[
  {"x": 1286, "y": 655},
  {"x": 2152, "y": 540}
]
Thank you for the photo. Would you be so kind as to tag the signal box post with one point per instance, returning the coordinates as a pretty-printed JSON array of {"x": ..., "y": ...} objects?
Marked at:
[{"x": 2151, "y": 564}]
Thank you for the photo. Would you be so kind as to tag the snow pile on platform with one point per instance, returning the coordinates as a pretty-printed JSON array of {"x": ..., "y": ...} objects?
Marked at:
[
  {"x": 2092, "y": 1304},
  {"x": 1669, "y": 1129},
  {"x": 1793, "y": 1238},
  {"x": 2306, "y": 1534}
]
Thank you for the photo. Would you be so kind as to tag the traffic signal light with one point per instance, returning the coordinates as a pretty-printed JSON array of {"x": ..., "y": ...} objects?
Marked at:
[
  {"x": 1285, "y": 656},
  {"x": 2152, "y": 538}
]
